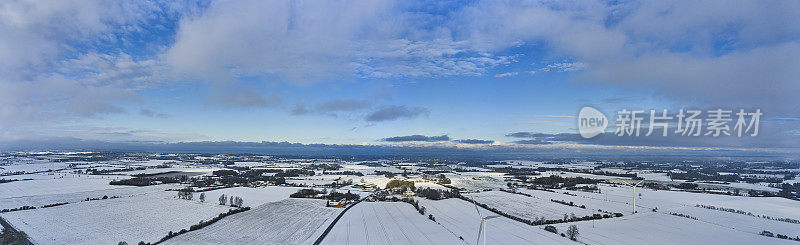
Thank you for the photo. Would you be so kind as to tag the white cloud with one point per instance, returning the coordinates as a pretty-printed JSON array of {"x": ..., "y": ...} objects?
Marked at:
[
  {"x": 564, "y": 67},
  {"x": 671, "y": 46},
  {"x": 52, "y": 66},
  {"x": 307, "y": 41},
  {"x": 507, "y": 74}
]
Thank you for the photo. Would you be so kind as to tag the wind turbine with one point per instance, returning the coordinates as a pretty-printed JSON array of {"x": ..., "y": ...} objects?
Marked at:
[
  {"x": 634, "y": 195},
  {"x": 483, "y": 223}
]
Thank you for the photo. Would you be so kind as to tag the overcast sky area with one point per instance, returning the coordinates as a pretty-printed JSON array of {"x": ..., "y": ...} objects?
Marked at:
[{"x": 472, "y": 74}]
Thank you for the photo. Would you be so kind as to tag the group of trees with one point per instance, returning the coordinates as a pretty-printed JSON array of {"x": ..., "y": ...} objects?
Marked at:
[
  {"x": 419, "y": 208},
  {"x": 742, "y": 212},
  {"x": 781, "y": 236},
  {"x": 186, "y": 193},
  {"x": 145, "y": 181},
  {"x": 571, "y": 233},
  {"x": 567, "y": 203},
  {"x": 443, "y": 180},
  {"x": 435, "y": 194},
  {"x": 26, "y": 207},
  {"x": 555, "y": 181},
  {"x": 334, "y": 195},
  {"x": 233, "y": 201},
  {"x": 307, "y": 193},
  {"x": 322, "y": 194},
  {"x": 403, "y": 184},
  {"x": 355, "y": 173}
]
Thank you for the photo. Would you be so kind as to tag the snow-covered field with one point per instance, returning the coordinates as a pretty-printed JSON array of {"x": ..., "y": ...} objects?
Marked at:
[
  {"x": 72, "y": 197},
  {"x": 460, "y": 217},
  {"x": 291, "y": 221},
  {"x": 591, "y": 203},
  {"x": 663, "y": 228},
  {"x": 32, "y": 166},
  {"x": 666, "y": 200},
  {"x": 188, "y": 170},
  {"x": 477, "y": 180},
  {"x": 141, "y": 218},
  {"x": 669, "y": 227},
  {"x": 530, "y": 208},
  {"x": 54, "y": 186},
  {"x": 388, "y": 223},
  {"x": 253, "y": 197}
]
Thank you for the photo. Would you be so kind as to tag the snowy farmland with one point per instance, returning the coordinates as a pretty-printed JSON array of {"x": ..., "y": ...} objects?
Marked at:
[
  {"x": 291, "y": 221},
  {"x": 530, "y": 208},
  {"x": 477, "y": 180},
  {"x": 662, "y": 228},
  {"x": 388, "y": 223},
  {"x": 67, "y": 206},
  {"x": 55, "y": 186},
  {"x": 728, "y": 227},
  {"x": 71, "y": 197},
  {"x": 32, "y": 166},
  {"x": 461, "y": 218},
  {"x": 253, "y": 197},
  {"x": 132, "y": 219}
]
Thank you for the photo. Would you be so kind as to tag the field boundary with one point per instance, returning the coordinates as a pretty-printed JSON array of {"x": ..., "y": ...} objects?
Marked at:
[{"x": 330, "y": 227}]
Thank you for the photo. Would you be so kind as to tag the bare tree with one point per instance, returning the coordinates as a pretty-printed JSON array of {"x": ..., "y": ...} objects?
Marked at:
[
  {"x": 572, "y": 232},
  {"x": 237, "y": 202}
]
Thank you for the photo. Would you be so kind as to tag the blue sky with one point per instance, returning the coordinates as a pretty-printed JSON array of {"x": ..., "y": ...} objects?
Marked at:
[{"x": 357, "y": 72}]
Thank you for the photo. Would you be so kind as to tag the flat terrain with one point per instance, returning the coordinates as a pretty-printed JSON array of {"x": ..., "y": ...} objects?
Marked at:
[
  {"x": 146, "y": 218},
  {"x": 660, "y": 228},
  {"x": 388, "y": 223},
  {"x": 461, "y": 218},
  {"x": 291, "y": 221},
  {"x": 253, "y": 197},
  {"x": 530, "y": 208},
  {"x": 40, "y": 192}
]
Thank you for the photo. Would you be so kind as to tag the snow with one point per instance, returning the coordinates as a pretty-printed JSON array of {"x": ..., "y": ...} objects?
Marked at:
[
  {"x": 742, "y": 185},
  {"x": 198, "y": 171},
  {"x": 291, "y": 221},
  {"x": 477, "y": 180},
  {"x": 614, "y": 206},
  {"x": 142, "y": 218},
  {"x": 32, "y": 166},
  {"x": 253, "y": 197},
  {"x": 55, "y": 186},
  {"x": 461, "y": 218},
  {"x": 41, "y": 200},
  {"x": 665, "y": 200},
  {"x": 250, "y": 164},
  {"x": 739, "y": 222},
  {"x": 654, "y": 176},
  {"x": 387, "y": 223},
  {"x": 662, "y": 228},
  {"x": 530, "y": 208}
]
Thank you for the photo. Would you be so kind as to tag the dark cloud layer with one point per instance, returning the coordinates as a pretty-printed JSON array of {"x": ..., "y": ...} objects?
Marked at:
[
  {"x": 417, "y": 137},
  {"x": 772, "y": 134},
  {"x": 390, "y": 113},
  {"x": 533, "y": 142},
  {"x": 287, "y": 148}
]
